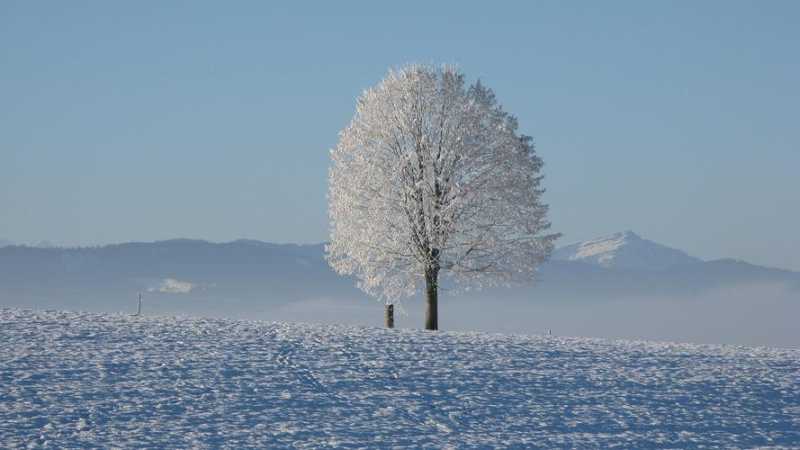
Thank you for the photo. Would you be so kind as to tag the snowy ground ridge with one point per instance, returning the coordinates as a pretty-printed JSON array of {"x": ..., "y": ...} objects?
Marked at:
[{"x": 82, "y": 380}]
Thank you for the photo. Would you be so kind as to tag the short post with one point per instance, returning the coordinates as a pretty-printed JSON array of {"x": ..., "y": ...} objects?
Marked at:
[
  {"x": 139, "y": 307},
  {"x": 389, "y": 316}
]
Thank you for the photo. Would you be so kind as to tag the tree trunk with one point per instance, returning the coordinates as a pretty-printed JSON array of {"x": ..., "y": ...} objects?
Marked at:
[
  {"x": 432, "y": 294},
  {"x": 389, "y": 316}
]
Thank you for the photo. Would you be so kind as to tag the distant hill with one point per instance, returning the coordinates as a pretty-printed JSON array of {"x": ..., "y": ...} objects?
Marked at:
[
  {"x": 619, "y": 266},
  {"x": 260, "y": 280},
  {"x": 212, "y": 275}
]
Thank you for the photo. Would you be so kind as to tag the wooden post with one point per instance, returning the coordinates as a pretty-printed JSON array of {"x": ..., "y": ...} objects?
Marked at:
[
  {"x": 139, "y": 308},
  {"x": 389, "y": 316}
]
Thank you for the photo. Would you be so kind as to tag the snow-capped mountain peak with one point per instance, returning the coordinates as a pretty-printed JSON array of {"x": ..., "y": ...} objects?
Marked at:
[{"x": 624, "y": 250}]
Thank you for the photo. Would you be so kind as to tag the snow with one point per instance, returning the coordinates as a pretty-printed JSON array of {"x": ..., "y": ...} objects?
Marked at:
[
  {"x": 602, "y": 250},
  {"x": 173, "y": 286},
  {"x": 624, "y": 250},
  {"x": 80, "y": 380}
]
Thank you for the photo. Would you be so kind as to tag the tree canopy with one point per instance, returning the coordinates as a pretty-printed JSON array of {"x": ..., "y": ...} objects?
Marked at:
[{"x": 432, "y": 176}]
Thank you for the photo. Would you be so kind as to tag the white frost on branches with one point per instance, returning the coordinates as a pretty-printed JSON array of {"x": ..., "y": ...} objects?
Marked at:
[{"x": 431, "y": 175}]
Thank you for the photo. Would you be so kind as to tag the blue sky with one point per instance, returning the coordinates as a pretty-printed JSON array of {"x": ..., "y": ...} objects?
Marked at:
[{"x": 146, "y": 120}]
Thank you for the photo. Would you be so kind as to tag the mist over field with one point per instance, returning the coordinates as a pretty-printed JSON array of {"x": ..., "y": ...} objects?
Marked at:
[{"x": 741, "y": 315}]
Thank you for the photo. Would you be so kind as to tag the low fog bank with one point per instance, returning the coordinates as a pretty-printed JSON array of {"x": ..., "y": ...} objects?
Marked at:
[
  {"x": 751, "y": 314},
  {"x": 743, "y": 315}
]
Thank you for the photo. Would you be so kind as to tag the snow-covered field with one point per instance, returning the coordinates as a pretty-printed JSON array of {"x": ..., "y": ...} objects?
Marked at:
[{"x": 79, "y": 380}]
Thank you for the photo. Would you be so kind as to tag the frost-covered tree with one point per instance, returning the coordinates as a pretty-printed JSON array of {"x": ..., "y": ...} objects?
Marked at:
[{"x": 431, "y": 177}]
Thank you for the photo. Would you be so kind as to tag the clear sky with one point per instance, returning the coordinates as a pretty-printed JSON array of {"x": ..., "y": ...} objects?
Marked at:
[{"x": 126, "y": 121}]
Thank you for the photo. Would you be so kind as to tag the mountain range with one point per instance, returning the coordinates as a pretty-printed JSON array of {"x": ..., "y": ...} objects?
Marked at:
[{"x": 254, "y": 279}]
